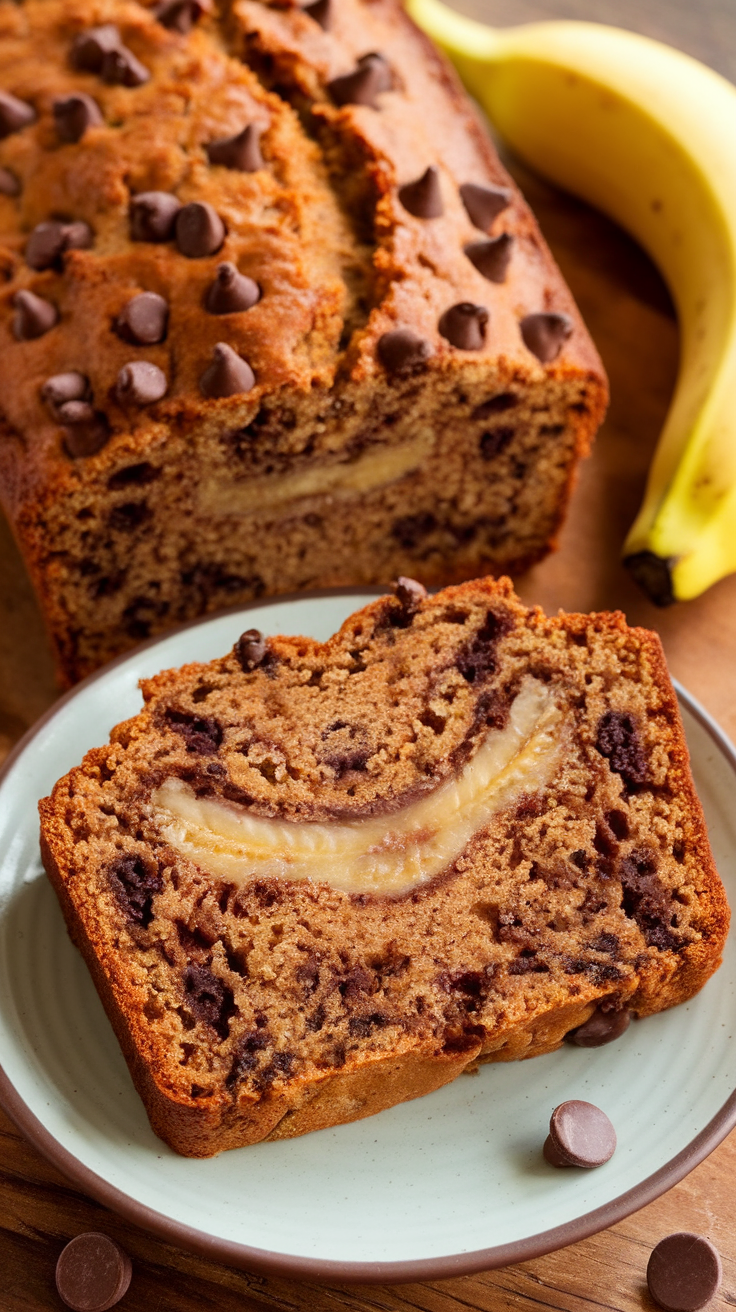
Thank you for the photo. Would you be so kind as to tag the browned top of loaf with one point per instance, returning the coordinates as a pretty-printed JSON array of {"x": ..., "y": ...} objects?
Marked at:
[{"x": 338, "y": 258}]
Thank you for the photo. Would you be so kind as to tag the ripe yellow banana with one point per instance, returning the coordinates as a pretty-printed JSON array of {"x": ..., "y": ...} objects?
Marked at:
[{"x": 648, "y": 135}]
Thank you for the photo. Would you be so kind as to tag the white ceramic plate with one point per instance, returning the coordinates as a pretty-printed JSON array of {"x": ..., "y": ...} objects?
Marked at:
[{"x": 451, "y": 1183}]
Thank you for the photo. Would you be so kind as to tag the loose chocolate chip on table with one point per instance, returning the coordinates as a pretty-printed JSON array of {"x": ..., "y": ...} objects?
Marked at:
[
  {"x": 231, "y": 291},
  {"x": 140, "y": 383},
  {"x": 483, "y": 203},
  {"x": 33, "y": 316},
  {"x": 9, "y": 184},
  {"x": 199, "y": 230},
  {"x": 92, "y": 1273},
  {"x": 321, "y": 11},
  {"x": 580, "y": 1134},
  {"x": 143, "y": 320},
  {"x": 242, "y": 152},
  {"x": 423, "y": 197},
  {"x": 74, "y": 114},
  {"x": 250, "y": 649},
  {"x": 120, "y": 67},
  {"x": 464, "y": 326},
  {"x": 49, "y": 240},
  {"x": 545, "y": 334},
  {"x": 228, "y": 374},
  {"x": 401, "y": 351},
  {"x": 90, "y": 47},
  {"x": 370, "y": 77},
  {"x": 153, "y": 215},
  {"x": 409, "y": 592},
  {"x": 14, "y": 114},
  {"x": 60, "y": 388},
  {"x": 491, "y": 257},
  {"x": 181, "y": 15},
  {"x": 602, "y": 1027},
  {"x": 684, "y": 1272},
  {"x": 86, "y": 429}
]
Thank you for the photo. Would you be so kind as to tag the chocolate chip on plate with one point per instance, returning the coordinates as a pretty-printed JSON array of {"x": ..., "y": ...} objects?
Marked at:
[
  {"x": 199, "y": 230},
  {"x": 602, "y": 1027},
  {"x": 423, "y": 197},
  {"x": 322, "y": 11},
  {"x": 74, "y": 114},
  {"x": 143, "y": 319},
  {"x": 33, "y": 316},
  {"x": 60, "y": 388},
  {"x": 464, "y": 326},
  {"x": 92, "y": 1273},
  {"x": 86, "y": 430},
  {"x": 370, "y": 77},
  {"x": 250, "y": 649},
  {"x": 580, "y": 1134},
  {"x": 15, "y": 114},
  {"x": 9, "y": 184},
  {"x": 181, "y": 15},
  {"x": 684, "y": 1272},
  {"x": 153, "y": 215},
  {"x": 228, "y": 374},
  {"x": 483, "y": 203},
  {"x": 49, "y": 240},
  {"x": 242, "y": 152},
  {"x": 545, "y": 334},
  {"x": 140, "y": 383},
  {"x": 492, "y": 256},
  {"x": 402, "y": 351},
  {"x": 231, "y": 292},
  {"x": 90, "y": 47},
  {"x": 121, "y": 67}
]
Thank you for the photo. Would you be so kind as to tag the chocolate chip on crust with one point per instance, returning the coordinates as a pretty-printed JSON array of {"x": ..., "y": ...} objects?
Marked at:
[
  {"x": 9, "y": 184},
  {"x": 491, "y": 257},
  {"x": 545, "y": 334},
  {"x": 60, "y": 388},
  {"x": 402, "y": 351},
  {"x": 684, "y": 1272},
  {"x": 48, "y": 242},
  {"x": 143, "y": 319},
  {"x": 86, "y": 430},
  {"x": 484, "y": 203},
  {"x": 33, "y": 316},
  {"x": 228, "y": 374},
  {"x": 241, "y": 152},
  {"x": 153, "y": 215},
  {"x": 15, "y": 114},
  {"x": 90, "y": 47},
  {"x": 181, "y": 15},
  {"x": 321, "y": 11},
  {"x": 464, "y": 326},
  {"x": 409, "y": 592},
  {"x": 250, "y": 649},
  {"x": 93, "y": 1273},
  {"x": 121, "y": 67},
  {"x": 199, "y": 230},
  {"x": 370, "y": 77},
  {"x": 140, "y": 383},
  {"x": 423, "y": 197},
  {"x": 74, "y": 114},
  {"x": 231, "y": 291}
]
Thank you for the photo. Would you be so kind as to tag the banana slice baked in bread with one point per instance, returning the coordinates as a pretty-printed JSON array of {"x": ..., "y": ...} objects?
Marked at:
[{"x": 312, "y": 880}]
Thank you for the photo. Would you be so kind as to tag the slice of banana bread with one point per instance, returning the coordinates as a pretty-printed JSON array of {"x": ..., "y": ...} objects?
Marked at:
[
  {"x": 272, "y": 316},
  {"x": 312, "y": 880}
]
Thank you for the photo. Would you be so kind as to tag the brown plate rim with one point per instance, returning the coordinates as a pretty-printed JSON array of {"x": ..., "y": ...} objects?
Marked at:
[{"x": 308, "y": 1268}]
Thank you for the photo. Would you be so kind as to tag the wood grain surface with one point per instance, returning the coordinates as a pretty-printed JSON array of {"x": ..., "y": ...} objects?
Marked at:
[{"x": 629, "y": 313}]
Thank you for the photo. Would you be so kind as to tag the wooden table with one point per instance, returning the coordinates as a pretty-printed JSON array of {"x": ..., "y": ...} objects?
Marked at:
[{"x": 629, "y": 313}]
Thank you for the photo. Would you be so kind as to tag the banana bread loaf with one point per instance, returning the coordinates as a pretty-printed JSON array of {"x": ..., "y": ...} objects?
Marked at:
[
  {"x": 272, "y": 315},
  {"x": 312, "y": 880}
]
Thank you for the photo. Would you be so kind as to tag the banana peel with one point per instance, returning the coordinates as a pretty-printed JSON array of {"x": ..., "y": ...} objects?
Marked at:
[{"x": 648, "y": 135}]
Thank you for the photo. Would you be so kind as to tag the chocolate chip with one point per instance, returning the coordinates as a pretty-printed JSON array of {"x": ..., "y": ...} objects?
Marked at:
[
  {"x": 93, "y": 1273},
  {"x": 322, "y": 12},
  {"x": 33, "y": 316},
  {"x": 495, "y": 405},
  {"x": 464, "y": 326},
  {"x": 423, "y": 197},
  {"x": 121, "y": 68},
  {"x": 228, "y": 374},
  {"x": 135, "y": 883},
  {"x": 370, "y": 77},
  {"x": 231, "y": 291},
  {"x": 618, "y": 739},
  {"x": 491, "y": 257},
  {"x": 48, "y": 242},
  {"x": 86, "y": 430},
  {"x": 209, "y": 999},
  {"x": 74, "y": 114},
  {"x": 402, "y": 351},
  {"x": 484, "y": 203},
  {"x": 602, "y": 1027},
  {"x": 60, "y": 388},
  {"x": 545, "y": 334},
  {"x": 250, "y": 649},
  {"x": 580, "y": 1135},
  {"x": 153, "y": 215},
  {"x": 199, "y": 230},
  {"x": 90, "y": 47},
  {"x": 140, "y": 383},
  {"x": 181, "y": 15},
  {"x": 684, "y": 1272},
  {"x": 495, "y": 441},
  {"x": 143, "y": 320},
  {"x": 242, "y": 152},
  {"x": 409, "y": 592},
  {"x": 9, "y": 184},
  {"x": 15, "y": 114}
]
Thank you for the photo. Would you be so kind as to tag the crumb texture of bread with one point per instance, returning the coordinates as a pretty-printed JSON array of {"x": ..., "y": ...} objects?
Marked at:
[
  {"x": 269, "y": 1006},
  {"x": 273, "y": 316}
]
